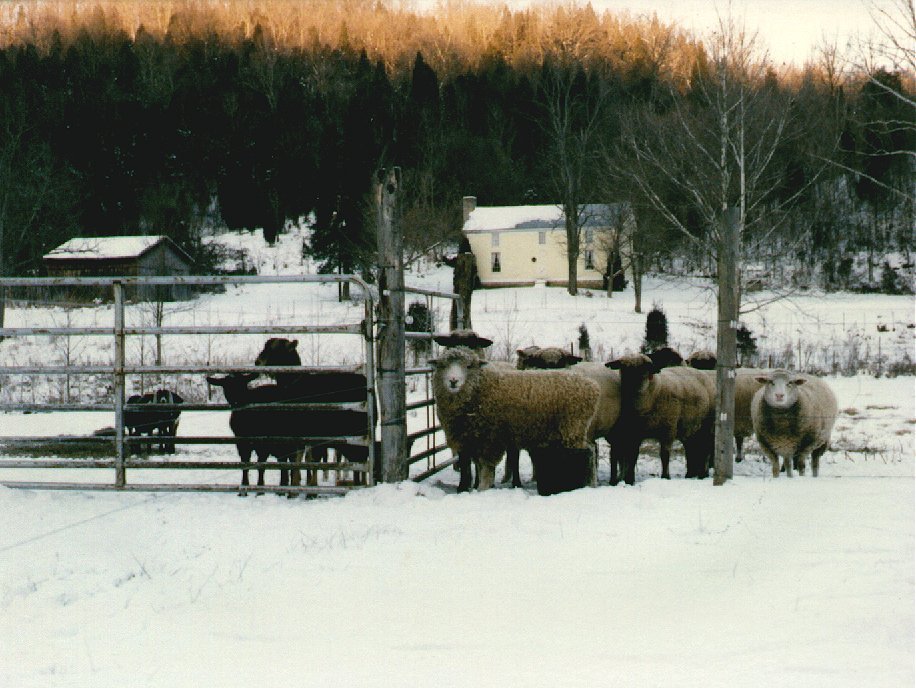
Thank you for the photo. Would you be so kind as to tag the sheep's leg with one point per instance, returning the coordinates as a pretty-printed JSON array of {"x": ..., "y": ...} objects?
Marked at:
[
  {"x": 771, "y": 455},
  {"x": 629, "y": 458},
  {"x": 800, "y": 466},
  {"x": 790, "y": 464},
  {"x": 512, "y": 469},
  {"x": 816, "y": 459},
  {"x": 739, "y": 451},
  {"x": 464, "y": 468},
  {"x": 487, "y": 475},
  {"x": 593, "y": 465},
  {"x": 664, "y": 450}
]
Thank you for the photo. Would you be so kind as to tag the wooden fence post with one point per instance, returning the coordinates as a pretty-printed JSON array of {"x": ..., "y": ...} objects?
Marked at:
[
  {"x": 391, "y": 339},
  {"x": 726, "y": 346}
]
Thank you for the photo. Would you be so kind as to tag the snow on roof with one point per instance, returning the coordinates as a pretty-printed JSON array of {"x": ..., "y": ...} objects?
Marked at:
[
  {"x": 534, "y": 217},
  {"x": 95, "y": 248}
]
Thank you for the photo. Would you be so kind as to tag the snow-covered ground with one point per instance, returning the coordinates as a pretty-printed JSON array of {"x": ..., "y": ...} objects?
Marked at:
[{"x": 762, "y": 582}]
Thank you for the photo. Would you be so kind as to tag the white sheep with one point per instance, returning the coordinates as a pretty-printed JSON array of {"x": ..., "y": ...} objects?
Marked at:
[
  {"x": 484, "y": 409},
  {"x": 793, "y": 416},
  {"x": 676, "y": 403},
  {"x": 746, "y": 385}
]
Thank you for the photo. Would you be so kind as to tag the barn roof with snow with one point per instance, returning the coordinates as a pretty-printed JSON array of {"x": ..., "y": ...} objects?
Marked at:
[
  {"x": 108, "y": 248},
  {"x": 135, "y": 256}
]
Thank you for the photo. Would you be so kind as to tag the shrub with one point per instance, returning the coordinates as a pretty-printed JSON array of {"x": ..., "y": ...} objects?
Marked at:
[{"x": 656, "y": 330}]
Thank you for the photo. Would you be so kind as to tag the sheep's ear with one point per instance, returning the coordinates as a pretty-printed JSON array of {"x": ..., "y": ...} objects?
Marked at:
[
  {"x": 293, "y": 343},
  {"x": 763, "y": 379},
  {"x": 432, "y": 361},
  {"x": 799, "y": 381},
  {"x": 214, "y": 380},
  {"x": 613, "y": 365},
  {"x": 571, "y": 359}
]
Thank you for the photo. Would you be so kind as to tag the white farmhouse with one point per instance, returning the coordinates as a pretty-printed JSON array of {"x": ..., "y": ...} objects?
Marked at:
[{"x": 526, "y": 245}]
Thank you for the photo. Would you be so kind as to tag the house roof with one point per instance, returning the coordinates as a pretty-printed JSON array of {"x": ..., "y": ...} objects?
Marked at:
[
  {"x": 538, "y": 217},
  {"x": 108, "y": 248}
]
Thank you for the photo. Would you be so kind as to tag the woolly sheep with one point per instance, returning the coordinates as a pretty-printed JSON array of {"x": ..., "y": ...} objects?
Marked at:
[
  {"x": 483, "y": 410},
  {"x": 608, "y": 401},
  {"x": 675, "y": 403},
  {"x": 546, "y": 358},
  {"x": 666, "y": 357},
  {"x": 470, "y": 339},
  {"x": 702, "y": 360},
  {"x": 746, "y": 385},
  {"x": 793, "y": 416}
]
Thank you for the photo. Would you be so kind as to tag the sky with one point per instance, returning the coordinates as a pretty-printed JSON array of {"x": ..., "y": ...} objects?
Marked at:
[{"x": 791, "y": 29}]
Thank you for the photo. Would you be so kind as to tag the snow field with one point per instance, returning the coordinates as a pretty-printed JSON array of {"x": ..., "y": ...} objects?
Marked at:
[{"x": 762, "y": 582}]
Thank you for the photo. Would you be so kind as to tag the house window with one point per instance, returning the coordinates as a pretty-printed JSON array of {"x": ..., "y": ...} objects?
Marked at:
[
  {"x": 494, "y": 239},
  {"x": 494, "y": 262},
  {"x": 589, "y": 259},
  {"x": 589, "y": 235},
  {"x": 542, "y": 238}
]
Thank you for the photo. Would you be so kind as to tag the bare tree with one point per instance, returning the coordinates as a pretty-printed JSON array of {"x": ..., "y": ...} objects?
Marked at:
[
  {"x": 709, "y": 168},
  {"x": 573, "y": 108}
]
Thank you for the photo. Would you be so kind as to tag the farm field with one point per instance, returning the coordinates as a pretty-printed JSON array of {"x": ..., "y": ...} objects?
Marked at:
[{"x": 762, "y": 582}]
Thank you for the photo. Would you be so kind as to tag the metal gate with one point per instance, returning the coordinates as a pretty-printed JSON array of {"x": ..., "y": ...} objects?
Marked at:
[
  {"x": 427, "y": 443},
  {"x": 110, "y": 451}
]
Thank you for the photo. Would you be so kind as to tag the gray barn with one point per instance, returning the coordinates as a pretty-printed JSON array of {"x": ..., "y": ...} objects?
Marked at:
[{"x": 131, "y": 256}]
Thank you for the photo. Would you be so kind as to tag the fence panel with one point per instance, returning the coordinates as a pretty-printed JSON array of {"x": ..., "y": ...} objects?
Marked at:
[
  {"x": 428, "y": 453},
  {"x": 27, "y": 422}
]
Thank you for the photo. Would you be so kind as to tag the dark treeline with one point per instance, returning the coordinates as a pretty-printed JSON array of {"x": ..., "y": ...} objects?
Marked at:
[{"x": 109, "y": 131}]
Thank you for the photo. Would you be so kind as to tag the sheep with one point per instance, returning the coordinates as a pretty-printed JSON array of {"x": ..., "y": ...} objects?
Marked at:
[
  {"x": 669, "y": 404},
  {"x": 793, "y": 415},
  {"x": 666, "y": 357},
  {"x": 254, "y": 415},
  {"x": 322, "y": 387},
  {"x": 608, "y": 402},
  {"x": 546, "y": 358},
  {"x": 746, "y": 385},
  {"x": 141, "y": 418},
  {"x": 702, "y": 360},
  {"x": 483, "y": 410},
  {"x": 470, "y": 339}
]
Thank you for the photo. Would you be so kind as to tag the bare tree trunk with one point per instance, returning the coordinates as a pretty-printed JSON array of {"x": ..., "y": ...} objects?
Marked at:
[
  {"x": 637, "y": 283},
  {"x": 572, "y": 247},
  {"x": 726, "y": 345}
]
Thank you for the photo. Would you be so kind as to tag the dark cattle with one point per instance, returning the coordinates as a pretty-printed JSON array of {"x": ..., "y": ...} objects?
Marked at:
[
  {"x": 317, "y": 387},
  {"x": 255, "y": 415},
  {"x": 153, "y": 415}
]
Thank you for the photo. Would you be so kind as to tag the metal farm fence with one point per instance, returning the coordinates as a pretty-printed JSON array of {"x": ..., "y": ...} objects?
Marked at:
[
  {"x": 428, "y": 439},
  {"x": 117, "y": 445}
]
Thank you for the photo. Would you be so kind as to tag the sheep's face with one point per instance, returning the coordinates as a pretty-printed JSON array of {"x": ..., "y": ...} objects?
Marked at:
[
  {"x": 453, "y": 369},
  {"x": 635, "y": 372},
  {"x": 454, "y": 375},
  {"x": 780, "y": 388}
]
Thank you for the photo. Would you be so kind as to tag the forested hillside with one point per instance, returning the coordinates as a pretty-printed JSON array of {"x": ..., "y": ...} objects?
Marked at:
[{"x": 172, "y": 117}]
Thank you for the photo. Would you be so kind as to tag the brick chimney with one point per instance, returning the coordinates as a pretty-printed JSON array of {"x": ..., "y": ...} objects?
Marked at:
[{"x": 468, "y": 204}]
